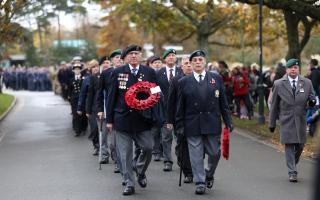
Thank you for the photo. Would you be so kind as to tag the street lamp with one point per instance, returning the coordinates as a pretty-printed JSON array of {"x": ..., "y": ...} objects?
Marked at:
[{"x": 260, "y": 85}]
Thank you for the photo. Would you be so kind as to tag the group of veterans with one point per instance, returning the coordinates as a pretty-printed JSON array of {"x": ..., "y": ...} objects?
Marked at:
[
  {"x": 193, "y": 109},
  {"x": 27, "y": 78}
]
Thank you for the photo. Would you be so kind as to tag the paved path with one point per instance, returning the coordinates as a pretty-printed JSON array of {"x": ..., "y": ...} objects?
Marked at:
[{"x": 40, "y": 159}]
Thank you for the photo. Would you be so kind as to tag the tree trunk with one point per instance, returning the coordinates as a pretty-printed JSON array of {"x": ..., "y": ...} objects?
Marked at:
[
  {"x": 292, "y": 22},
  {"x": 203, "y": 44}
]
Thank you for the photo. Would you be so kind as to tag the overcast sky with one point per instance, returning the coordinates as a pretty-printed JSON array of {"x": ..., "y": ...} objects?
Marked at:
[{"x": 69, "y": 21}]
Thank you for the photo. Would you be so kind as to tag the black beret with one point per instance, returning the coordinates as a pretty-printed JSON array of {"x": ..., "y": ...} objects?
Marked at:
[
  {"x": 197, "y": 53},
  {"x": 102, "y": 59},
  {"x": 77, "y": 65},
  {"x": 154, "y": 58},
  {"x": 131, "y": 47}
]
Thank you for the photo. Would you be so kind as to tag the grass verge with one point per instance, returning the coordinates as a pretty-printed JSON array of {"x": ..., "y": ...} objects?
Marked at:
[
  {"x": 262, "y": 132},
  {"x": 5, "y": 102}
]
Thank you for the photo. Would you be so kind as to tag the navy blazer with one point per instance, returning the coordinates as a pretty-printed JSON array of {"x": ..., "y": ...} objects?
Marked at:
[
  {"x": 122, "y": 116},
  {"x": 163, "y": 82},
  {"x": 197, "y": 118}
]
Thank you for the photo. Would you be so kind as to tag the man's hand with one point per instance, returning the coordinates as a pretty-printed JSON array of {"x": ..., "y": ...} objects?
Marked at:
[
  {"x": 79, "y": 112},
  {"x": 100, "y": 115},
  {"x": 109, "y": 127},
  {"x": 88, "y": 115},
  {"x": 170, "y": 126},
  {"x": 231, "y": 127},
  {"x": 272, "y": 129}
]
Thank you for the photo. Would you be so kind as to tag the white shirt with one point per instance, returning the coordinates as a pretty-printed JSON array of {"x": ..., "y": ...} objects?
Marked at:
[
  {"x": 197, "y": 77},
  {"x": 168, "y": 71},
  {"x": 131, "y": 68},
  {"x": 291, "y": 79},
  {"x": 77, "y": 77}
]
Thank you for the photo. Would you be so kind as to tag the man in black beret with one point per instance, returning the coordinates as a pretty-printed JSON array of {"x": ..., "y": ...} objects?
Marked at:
[
  {"x": 130, "y": 125},
  {"x": 201, "y": 104}
]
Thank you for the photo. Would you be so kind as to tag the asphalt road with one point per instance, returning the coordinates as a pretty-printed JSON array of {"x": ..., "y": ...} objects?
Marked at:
[{"x": 40, "y": 159}]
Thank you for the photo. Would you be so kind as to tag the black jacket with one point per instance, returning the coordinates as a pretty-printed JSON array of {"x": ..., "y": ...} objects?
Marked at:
[
  {"x": 92, "y": 95},
  {"x": 172, "y": 99},
  {"x": 104, "y": 84},
  {"x": 122, "y": 116},
  {"x": 200, "y": 114}
]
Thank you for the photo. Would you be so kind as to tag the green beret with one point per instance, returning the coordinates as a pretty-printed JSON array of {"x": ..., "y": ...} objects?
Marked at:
[
  {"x": 167, "y": 52},
  {"x": 196, "y": 54},
  {"x": 291, "y": 62},
  {"x": 115, "y": 53}
]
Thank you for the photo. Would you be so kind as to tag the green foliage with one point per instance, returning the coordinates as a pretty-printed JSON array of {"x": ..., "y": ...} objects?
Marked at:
[{"x": 5, "y": 102}]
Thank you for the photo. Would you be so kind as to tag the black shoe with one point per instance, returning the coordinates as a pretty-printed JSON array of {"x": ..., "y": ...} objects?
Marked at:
[
  {"x": 188, "y": 179},
  {"x": 128, "y": 190},
  {"x": 293, "y": 178},
  {"x": 104, "y": 161},
  {"x": 142, "y": 180},
  {"x": 157, "y": 157},
  {"x": 200, "y": 190},
  {"x": 209, "y": 182},
  {"x": 95, "y": 152},
  {"x": 116, "y": 169},
  {"x": 123, "y": 183},
  {"x": 167, "y": 167}
]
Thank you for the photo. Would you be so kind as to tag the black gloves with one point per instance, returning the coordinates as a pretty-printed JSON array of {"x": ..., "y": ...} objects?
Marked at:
[
  {"x": 180, "y": 132},
  {"x": 272, "y": 129},
  {"x": 312, "y": 101},
  {"x": 231, "y": 128}
]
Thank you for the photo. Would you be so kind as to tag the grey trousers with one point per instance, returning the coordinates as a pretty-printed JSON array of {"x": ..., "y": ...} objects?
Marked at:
[
  {"x": 156, "y": 133},
  {"x": 293, "y": 153},
  {"x": 198, "y": 145},
  {"x": 125, "y": 147},
  {"x": 104, "y": 146},
  {"x": 167, "y": 137},
  {"x": 113, "y": 149}
]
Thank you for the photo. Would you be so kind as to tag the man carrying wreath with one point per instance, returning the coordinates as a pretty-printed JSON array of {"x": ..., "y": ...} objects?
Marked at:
[{"x": 129, "y": 124}]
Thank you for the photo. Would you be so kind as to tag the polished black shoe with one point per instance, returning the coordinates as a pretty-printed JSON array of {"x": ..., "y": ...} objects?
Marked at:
[
  {"x": 116, "y": 169},
  {"x": 157, "y": 157},
  {"x": 128, "y": 190},
  {"x": 104, "y": 161},
  {"x": 293, "y": 178},
  {"x": 209, "y": 182},
  {"x": 200, "y": 189},
  {"x": 142, "y": 180},
  {"x": 95, "y": 152},
  {"x": 167, "y": 167},
  {"x": 188, "y": 179}
]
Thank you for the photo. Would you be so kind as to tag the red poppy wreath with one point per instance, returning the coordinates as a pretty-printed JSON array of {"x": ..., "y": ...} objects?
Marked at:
[{"x": 143, "y": 86}]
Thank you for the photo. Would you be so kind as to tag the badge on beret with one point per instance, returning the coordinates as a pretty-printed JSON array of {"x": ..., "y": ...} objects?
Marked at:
[{"x": 217, "y": 93}]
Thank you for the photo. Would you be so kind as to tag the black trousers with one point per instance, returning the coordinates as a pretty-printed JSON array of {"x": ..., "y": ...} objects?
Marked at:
[
  {"x": 182, "y": 153},
  {"x": 247, "y": 102}
]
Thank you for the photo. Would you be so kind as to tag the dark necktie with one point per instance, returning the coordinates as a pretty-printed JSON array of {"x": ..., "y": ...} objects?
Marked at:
[
  {"x": 200, "y": 78},
  {"x": 171, "y": 74},
  {"x": 134, "y": 71},
  {"x": 294, "y": 87}
]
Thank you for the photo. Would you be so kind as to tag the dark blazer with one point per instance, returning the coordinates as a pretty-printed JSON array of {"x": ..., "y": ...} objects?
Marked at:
[
  {"x": 172, "y": 99},
  {"x": 92, "y": 94},
  {"x": 163, "y": 82},
  {"x": 198, "y": 116},
  {"x": 122, "y": 116},
  {"x": 104, "y": 83}
]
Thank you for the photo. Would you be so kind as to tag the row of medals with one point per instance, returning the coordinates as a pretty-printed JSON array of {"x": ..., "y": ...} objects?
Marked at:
[{"x": 123, "y": 79}]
